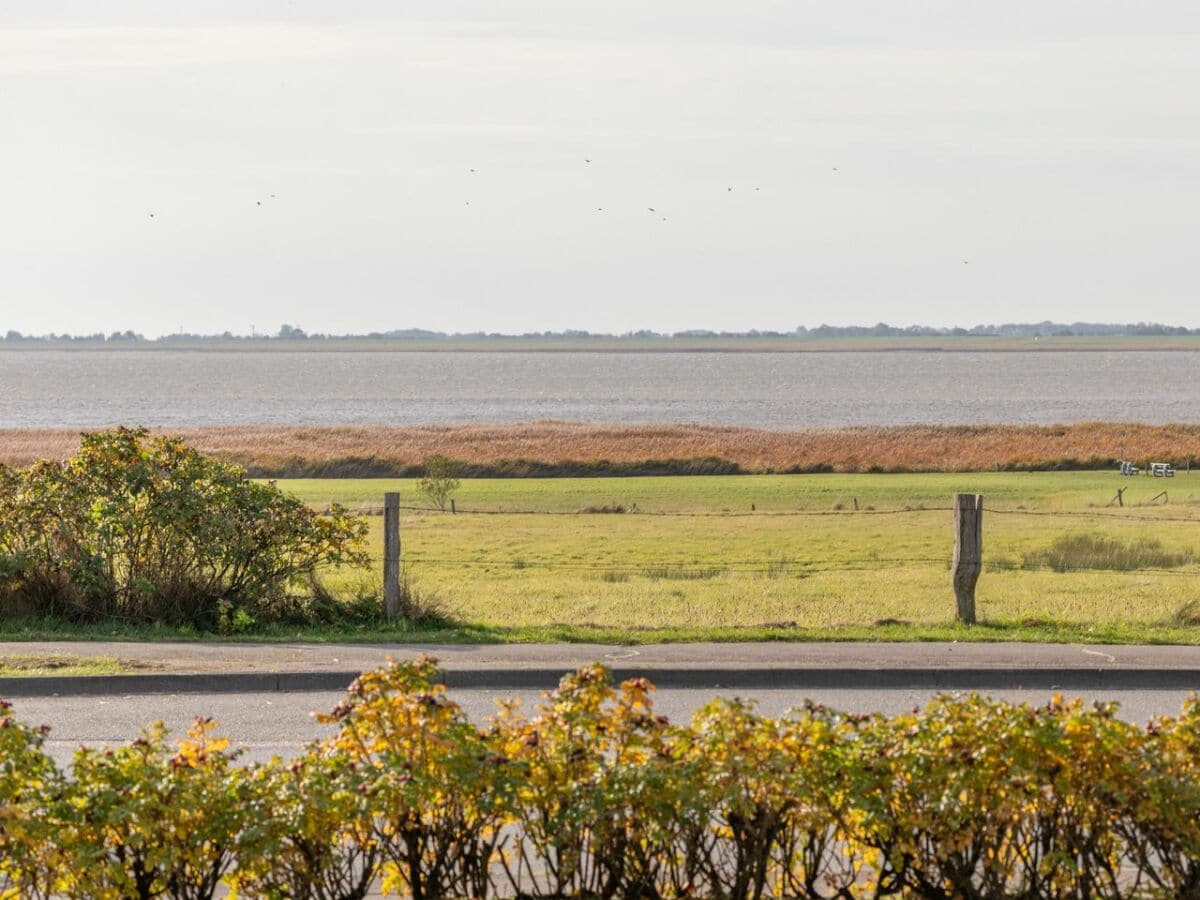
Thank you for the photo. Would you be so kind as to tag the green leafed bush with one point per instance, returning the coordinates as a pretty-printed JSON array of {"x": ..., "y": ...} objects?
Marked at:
[{"x": 146, "y": 529}]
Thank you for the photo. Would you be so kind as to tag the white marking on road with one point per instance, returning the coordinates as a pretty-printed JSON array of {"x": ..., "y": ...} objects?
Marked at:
[
  {"x": 624, "y": 654},
  {"x": 1107, "y": 656}
]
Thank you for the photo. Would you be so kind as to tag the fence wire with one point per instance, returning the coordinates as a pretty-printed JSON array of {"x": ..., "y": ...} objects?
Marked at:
[
  {"x": 785, "y": 564},
  {"x": 782, "y": 513},
  {"x": 681, "y": 514}
]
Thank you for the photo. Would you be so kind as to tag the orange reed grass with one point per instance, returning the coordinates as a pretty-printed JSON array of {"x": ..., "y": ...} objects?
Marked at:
[{"x": 564, "y": 448}]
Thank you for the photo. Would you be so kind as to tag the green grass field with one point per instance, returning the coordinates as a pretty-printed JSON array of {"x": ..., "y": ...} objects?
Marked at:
[{"x": 777, "y": 557}]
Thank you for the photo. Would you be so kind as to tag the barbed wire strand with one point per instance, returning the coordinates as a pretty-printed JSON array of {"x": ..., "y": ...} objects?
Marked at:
[
  {"x": 717, "y": 514},
  {"x": 683, "y": 571},
  {"x": 1062, "y": 514},
  {"x": 699, "y": 571}
]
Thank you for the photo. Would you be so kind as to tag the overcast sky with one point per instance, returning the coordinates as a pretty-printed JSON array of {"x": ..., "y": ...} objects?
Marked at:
[{"x": 938, "y": 162}]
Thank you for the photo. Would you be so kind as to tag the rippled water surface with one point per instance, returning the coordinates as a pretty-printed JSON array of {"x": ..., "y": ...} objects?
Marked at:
[{"x": 771, "y": 390}]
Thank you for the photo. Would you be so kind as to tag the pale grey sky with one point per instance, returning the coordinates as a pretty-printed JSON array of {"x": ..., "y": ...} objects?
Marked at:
[{"x": 871, "y": 148}]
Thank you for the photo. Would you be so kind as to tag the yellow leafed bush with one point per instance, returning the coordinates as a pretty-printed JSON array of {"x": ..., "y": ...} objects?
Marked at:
[{"x": 593, "y": 794}]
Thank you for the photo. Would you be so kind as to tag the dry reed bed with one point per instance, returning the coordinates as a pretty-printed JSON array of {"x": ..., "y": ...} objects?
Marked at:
[{"x": 556, "y": 448}]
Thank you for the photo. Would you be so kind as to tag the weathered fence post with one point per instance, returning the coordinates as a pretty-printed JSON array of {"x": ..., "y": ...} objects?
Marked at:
[
  {"x": 391, "y": 555},
  {"x": 968, "y": 552}
]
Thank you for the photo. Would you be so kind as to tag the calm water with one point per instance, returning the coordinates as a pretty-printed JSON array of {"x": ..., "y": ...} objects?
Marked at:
[{"x": 769, "y": 390}]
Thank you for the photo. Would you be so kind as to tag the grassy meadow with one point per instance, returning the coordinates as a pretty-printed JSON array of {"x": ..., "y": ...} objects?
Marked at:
[{"x": 789, "y": 556}]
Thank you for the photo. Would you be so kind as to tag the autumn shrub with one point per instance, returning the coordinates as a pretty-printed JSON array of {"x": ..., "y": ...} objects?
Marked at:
[
  {"x": 437, "y": 789},
  {"x": 29, "y": 784},
  {"x": 144, "y": 529},
  {"x": 1157, "y": 814},
  {"x": 597, "y": 801},
  {"x": 153, "y": 820},
  {"x": 773, "y": 820},
  {"x": 974, "y": 798},
  {"x": 318, "y": 840},
  {"x": 594, "y": 794}
]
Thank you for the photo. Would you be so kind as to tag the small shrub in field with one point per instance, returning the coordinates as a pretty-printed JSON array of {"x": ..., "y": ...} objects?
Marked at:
[
  {"x": 146, "y": 529},
  {"x": 1073, "y": 552},
  {"x": 440, "y": 481},
  {"x": 418, "y": 604},
  {"x": 1186, "y": 614}
]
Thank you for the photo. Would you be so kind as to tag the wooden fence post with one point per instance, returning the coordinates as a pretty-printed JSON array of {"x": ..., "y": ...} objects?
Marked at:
[
  {"x": 391, "y": 555},
  {"x": 968, "y": 553}
]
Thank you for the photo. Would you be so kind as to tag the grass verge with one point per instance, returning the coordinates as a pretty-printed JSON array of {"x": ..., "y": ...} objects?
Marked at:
[
  {"x": 1185, "y": 630},
  {"x": 31, "y": 664}
]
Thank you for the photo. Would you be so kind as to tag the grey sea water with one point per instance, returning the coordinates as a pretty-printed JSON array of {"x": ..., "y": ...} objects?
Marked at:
[{"x": 50, "y": 388}]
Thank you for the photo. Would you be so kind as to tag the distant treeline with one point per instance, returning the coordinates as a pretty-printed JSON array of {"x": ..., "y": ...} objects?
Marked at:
[{"x": 882, "y": 330}]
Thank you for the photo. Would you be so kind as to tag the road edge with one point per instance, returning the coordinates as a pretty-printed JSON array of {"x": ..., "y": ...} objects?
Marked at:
[{"x": 780, "y": 678}]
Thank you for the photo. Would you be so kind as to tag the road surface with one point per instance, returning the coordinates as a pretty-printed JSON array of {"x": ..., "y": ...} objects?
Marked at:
[{"x": 273, "y": 723}]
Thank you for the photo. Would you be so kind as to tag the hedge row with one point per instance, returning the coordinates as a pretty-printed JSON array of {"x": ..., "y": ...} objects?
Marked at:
[{"x": 597, "y": 796}]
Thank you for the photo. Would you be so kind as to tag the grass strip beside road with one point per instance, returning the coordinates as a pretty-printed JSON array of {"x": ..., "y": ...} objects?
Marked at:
[
  {"x": 22, "y": 665},
  {"x": 470, "y": 634}
]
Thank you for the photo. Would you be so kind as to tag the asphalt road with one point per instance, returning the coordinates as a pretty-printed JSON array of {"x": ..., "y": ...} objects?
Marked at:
[{"x": 267, "y": 724}]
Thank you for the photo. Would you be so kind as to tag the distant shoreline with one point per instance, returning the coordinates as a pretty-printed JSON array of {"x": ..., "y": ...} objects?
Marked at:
[{"x": 973, "y": 344}]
